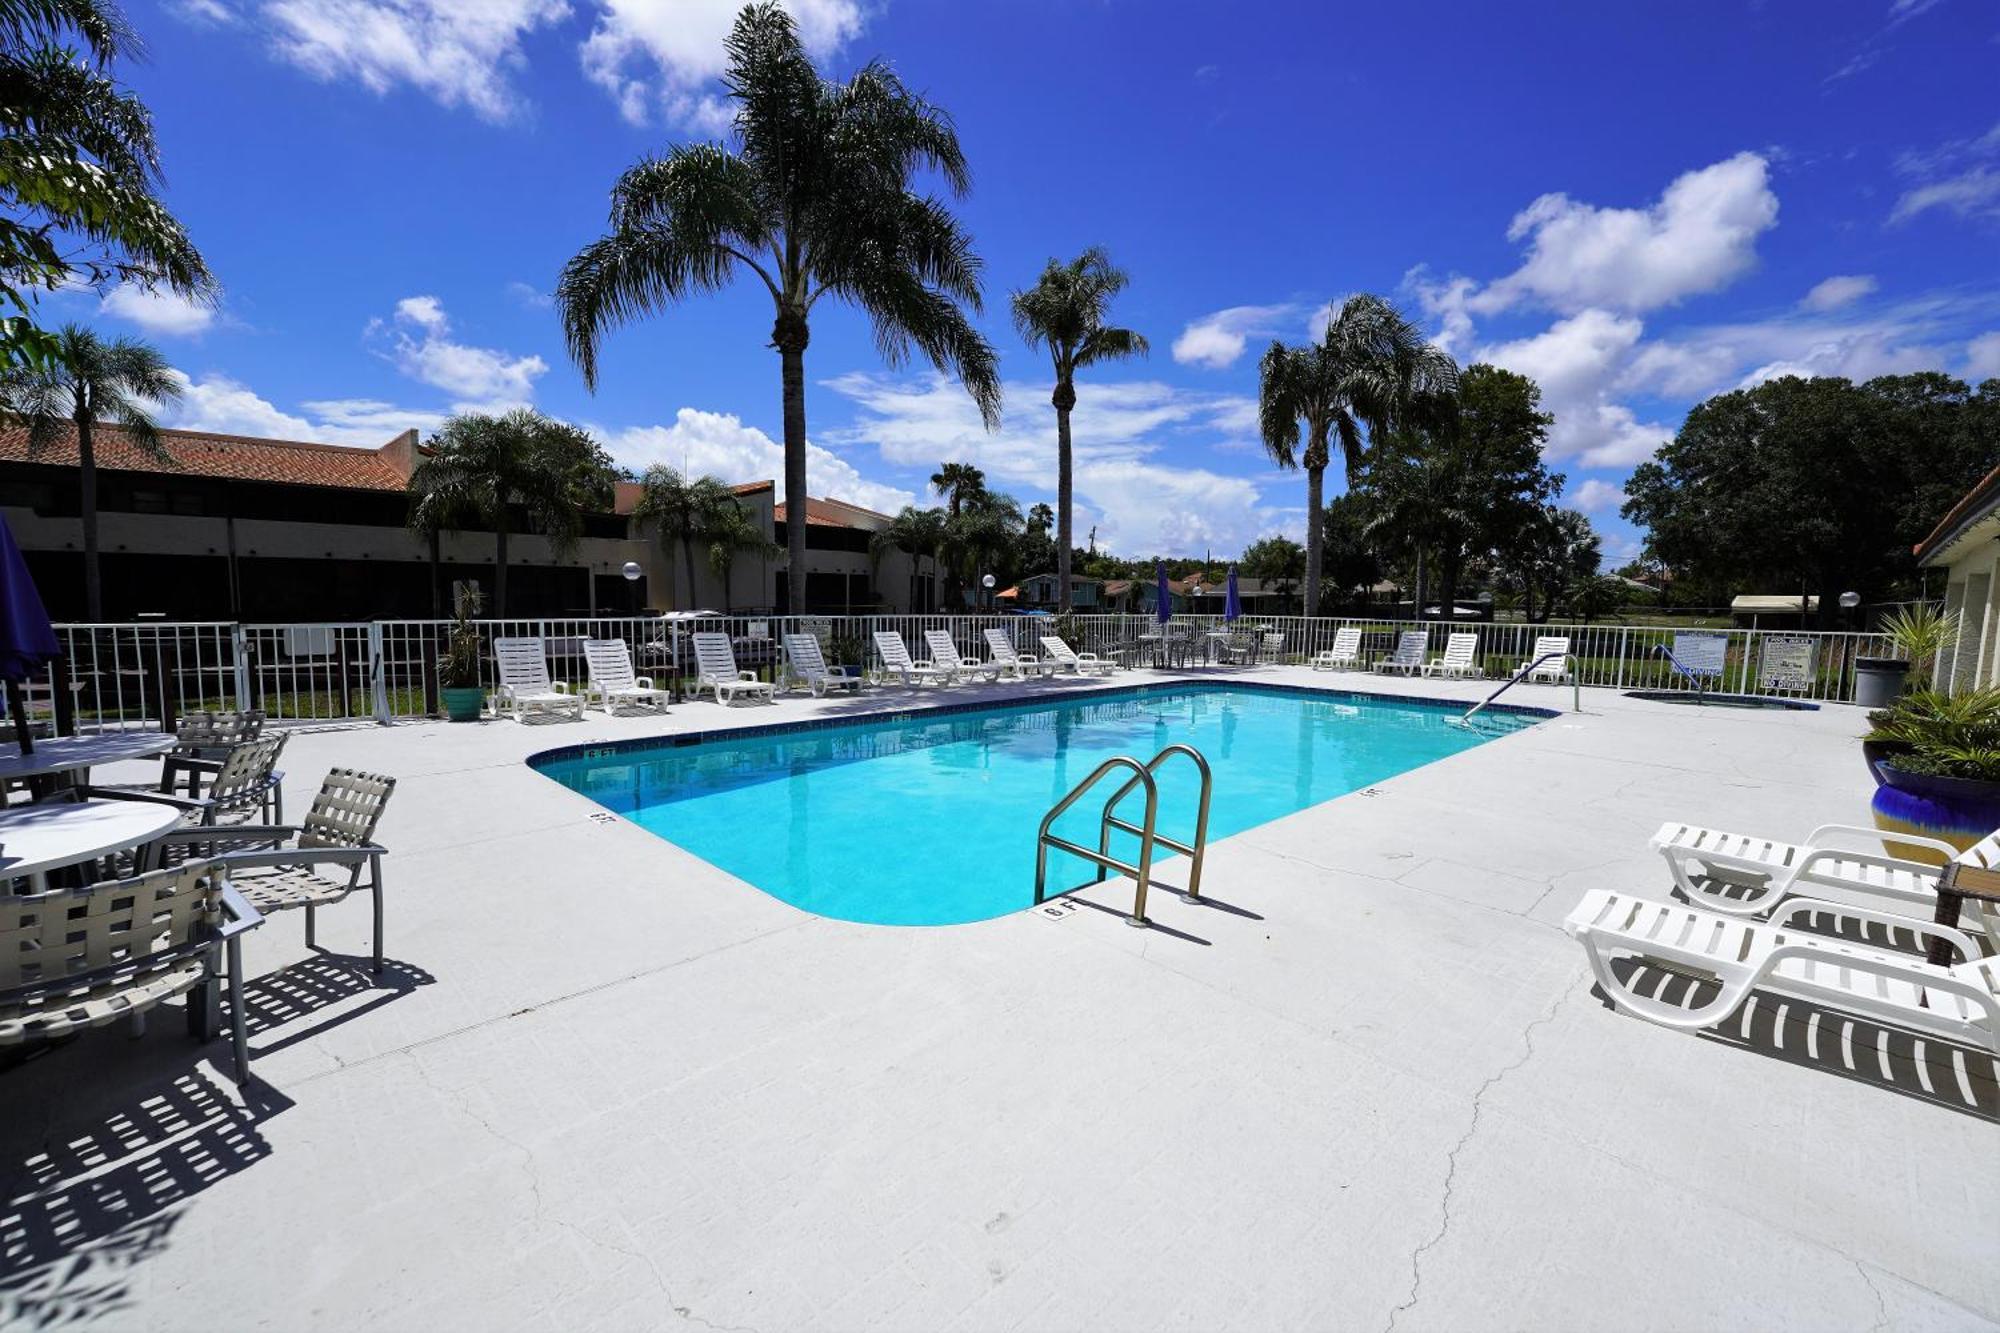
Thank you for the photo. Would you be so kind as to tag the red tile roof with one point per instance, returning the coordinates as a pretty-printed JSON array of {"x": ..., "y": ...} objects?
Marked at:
[
  {"x": 1969, "y": 510},
  {"x": 827, "y": 513},
  {"x": 204, "y": 454}
]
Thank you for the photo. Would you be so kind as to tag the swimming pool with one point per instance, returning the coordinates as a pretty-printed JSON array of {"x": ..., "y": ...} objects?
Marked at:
[{"x": 929, "y": 818}]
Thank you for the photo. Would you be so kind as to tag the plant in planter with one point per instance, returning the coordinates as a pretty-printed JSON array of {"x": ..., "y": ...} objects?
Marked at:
[
  {"x": 1936, "y": 760},
  {"x": 1916, "y": 634},
  {"x": 458, "y": 669}
]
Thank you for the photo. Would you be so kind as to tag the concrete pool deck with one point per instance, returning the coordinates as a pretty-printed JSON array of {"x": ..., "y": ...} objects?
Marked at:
[{"x": 604, "y": 1084}]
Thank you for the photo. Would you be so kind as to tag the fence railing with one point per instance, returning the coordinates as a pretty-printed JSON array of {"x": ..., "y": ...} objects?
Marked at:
[{"x": 145, "y": 675}]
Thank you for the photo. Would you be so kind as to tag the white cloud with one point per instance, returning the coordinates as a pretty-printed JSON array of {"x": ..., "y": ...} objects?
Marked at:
[
  {"x": 156, "y": 311},
  {"x": 1595, "y": 496},
  {"x": 663, "y": 56},
  {"x": 1982, "y": 358},
  {"x": 203, "y": 12},
  {"x": 719, "y": 444},
  {"x": 418, "y": 341},
  {"x": 228, "y": 407},
  {"x": 1700, "y": 235},
  {"x": 457, "y": 53},
  {"x": 1217, "y": 340},
  {"x": 1578, "y": 363},
  {"x": 1961, "y": 176},
  {"x": 1839, "y": 290},
  {"x": 1140, "y": 503},
  {"x": 529, "y": 295}
]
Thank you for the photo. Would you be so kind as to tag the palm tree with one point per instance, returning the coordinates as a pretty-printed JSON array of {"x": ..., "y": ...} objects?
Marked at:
[
  {"x": 1040, "y": 518},
  {"x": 814, "y": 198},
  {"x": 917, "y": 533},
  {"x": 85, "y": 381},
  {"x": 684, "y": 511},
  {"x": 954, "y": 482},
  {"x": 1373, "y": 369},
  {"x": 1064, "y": 311},
  {"x": 77, "y": 196},
  {"x": 978, "y": 535},
  {"x": 730, "y": 534},
  {"x": 1414, "y": 503},
  {"x": 480, "y": 468}
]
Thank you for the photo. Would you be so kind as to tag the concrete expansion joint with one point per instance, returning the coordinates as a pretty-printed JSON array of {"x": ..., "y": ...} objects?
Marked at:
[{"x": 1542, "y": 1019}]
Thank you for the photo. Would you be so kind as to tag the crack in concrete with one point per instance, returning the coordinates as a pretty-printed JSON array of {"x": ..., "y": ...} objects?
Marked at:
[
  {"x": 531, "y": 1169},
  {"x": 1451, "y": 1159},
  {"x": 1881, "y": 1304}
]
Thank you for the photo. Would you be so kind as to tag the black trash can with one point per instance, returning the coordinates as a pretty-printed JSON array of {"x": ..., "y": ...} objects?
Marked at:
[{"x": 1878, "y": 681}]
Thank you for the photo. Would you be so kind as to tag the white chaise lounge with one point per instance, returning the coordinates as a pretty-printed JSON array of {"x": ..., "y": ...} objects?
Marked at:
[
  {"x": 715, "y": 660},
  {"x": 1066, "y": 658},
  {"x": 1460, "y": 660},
  {"x": 944, "y": 656},
  {"x": 1960, "y": 1003},
  {"x": 612, "y": 680},
  {"x": 1409, "y": 655},
  {"x": 895, "y": 656},
  {"x": 1345, "y": 653},
  {"x": 1552, "y": 658},
  {"x": 1842, "y": 861},
  {"x": 525, "y": 686},
  {"x": 1001, "y": 647},
  {"x": 809, "y": 665}
]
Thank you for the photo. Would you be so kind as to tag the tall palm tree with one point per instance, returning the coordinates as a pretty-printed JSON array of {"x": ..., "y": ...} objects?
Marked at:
[
  {"x": 917, "y": 533},
  {"x": 481, "y": 468},
  {"x": 978, "y": 535},
  {"x": 1064, "y": 311},
  {"x": 954, "y": 482},
  {"x": 87, "y": 380},
  {"x": 1041, "y": 518},
  {"x": 1373, "y": 369},
  {"x": 814, "y": 197}
]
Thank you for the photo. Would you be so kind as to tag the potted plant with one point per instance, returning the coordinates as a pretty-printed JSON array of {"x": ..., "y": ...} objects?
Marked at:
[
  {"x": 1916, "y": 634},
  {"x": 1936, "y": 760},
  {"x": 458, "y": 669}
]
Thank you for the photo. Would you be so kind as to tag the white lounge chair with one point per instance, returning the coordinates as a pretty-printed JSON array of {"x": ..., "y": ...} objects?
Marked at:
[
  {"x": 1409, "y": 655},
  {"x": 944, "y": 656},
  {"x": 1960, "y": 1003},
  {"x": 1461, "y": 658},
  {"x": 895, "y": 656},
  {"x": 525, "y": 686},
  {"x": 1346, "y": 652},
  {"x": 1065, "y": 657},
  {"x": 715, "y": 661},
  {"x": 1001, "y": 647},
  {"x": 1552, "y": 656},
  {"x": 612, "y": 681},
  {"x": 1842, "y": 860},
  {"x": 808, "y": 664}
]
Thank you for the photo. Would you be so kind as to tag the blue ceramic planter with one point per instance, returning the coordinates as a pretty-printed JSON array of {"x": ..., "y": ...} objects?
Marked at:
[{"x": 1959, "y": 811}]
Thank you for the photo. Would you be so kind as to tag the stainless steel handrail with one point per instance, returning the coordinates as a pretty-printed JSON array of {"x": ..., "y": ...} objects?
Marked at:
[
  {"x": 1141, "y": 873},
  {"x": 1575, "y": 683},
  {"x": 1194, "y": 853}
]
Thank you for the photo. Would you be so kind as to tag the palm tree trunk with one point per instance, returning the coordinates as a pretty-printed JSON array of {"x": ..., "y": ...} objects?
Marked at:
[
  {"x": 437, "y": 588},
  {"x": 1315, "y": 520},
  {"x": 793, "y": 352},
  {"x": 687, "y": 563},
  {"x": 500, "y": 563},
  {"x": 86, "y": 485},
  {"x": 1417, "y": 609},
  {"x": 1064, "y": 484}
]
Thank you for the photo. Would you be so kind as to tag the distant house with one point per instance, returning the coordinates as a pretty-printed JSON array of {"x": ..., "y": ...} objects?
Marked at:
[
  {"x": 1039, "y": 593},
  {"x": 1259, "y": 596},
  {"x": 1141, "y": 597},
  {"x": 1774, "y": 610}
]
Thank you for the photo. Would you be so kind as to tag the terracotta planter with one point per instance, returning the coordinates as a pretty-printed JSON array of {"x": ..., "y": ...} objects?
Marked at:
[{"x": 1959, "y": 811}]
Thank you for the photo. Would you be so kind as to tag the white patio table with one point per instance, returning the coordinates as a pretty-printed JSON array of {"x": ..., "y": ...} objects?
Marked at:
[{"x": 35, "y": 839}]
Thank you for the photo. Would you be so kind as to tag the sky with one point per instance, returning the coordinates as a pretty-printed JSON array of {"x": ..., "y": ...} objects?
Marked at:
[{"x": 1637, "y": 205}]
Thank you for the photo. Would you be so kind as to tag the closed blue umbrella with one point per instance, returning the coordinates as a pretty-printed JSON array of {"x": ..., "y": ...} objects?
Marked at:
[
  {"x": 27, "y": 639},
  {"x": 1165, "y": 610},
  {"x": 1232, "y": 604}
]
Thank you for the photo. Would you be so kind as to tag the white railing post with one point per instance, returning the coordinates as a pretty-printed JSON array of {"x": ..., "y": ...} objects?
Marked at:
[
  {"x": 239, "y": 648},
  {"x": 379, "y": 668}
]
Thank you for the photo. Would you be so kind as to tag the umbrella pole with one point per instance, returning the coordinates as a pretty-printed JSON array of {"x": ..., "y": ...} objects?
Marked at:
[{"x": 18, "y": 706}]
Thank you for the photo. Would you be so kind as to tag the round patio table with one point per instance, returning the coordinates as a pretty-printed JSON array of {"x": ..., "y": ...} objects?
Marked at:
[
  {"x": 35, "y": 839},
  {"x": 78, "y": 754}
]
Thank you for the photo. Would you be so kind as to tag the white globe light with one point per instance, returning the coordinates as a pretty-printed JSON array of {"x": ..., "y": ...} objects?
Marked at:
[
  {"x": 987, "y": 581},
  {"x": 1850, "y": 600},
  {"x": 632, "y": 570}
]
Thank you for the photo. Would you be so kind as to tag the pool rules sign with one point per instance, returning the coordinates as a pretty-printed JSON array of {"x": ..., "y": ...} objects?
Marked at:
[{"x": 1787, "y": 664}]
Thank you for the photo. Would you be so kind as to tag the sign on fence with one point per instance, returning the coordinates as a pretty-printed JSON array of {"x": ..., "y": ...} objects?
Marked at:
[
  {"x": 1786, "y": 664},
  {"x": 1701, "y": 654}
]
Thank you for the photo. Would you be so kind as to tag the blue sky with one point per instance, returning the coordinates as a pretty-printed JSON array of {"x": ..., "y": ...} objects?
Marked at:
[{"x": 1638, "y": 205}]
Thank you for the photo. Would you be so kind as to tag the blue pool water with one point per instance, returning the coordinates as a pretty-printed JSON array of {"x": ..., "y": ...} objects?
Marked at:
[{"x": 929, "y": 819}]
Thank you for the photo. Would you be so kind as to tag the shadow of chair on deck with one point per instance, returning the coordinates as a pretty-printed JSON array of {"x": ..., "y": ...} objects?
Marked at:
[{"x": 315, "y": 984}]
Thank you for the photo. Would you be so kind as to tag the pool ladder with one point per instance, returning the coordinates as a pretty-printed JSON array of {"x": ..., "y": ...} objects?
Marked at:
[{"x": 1149, "y": 836}]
